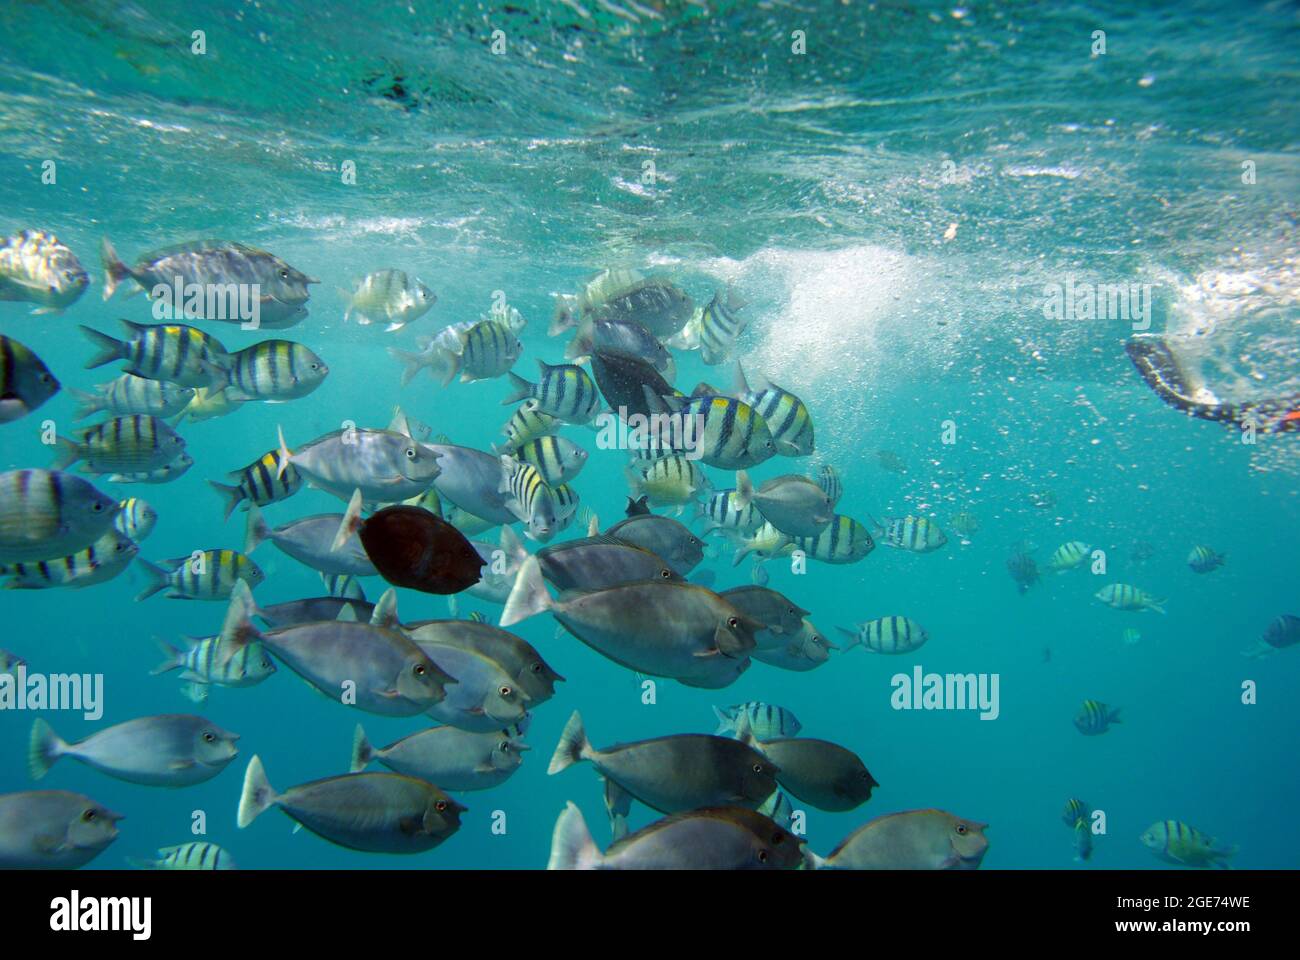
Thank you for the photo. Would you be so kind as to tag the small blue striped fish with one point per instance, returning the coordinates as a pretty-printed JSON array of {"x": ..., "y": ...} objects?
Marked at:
[{"x": 766, "y": 720}]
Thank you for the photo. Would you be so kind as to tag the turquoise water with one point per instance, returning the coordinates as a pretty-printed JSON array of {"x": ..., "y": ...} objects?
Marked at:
[{"x": 815, "y": 185}]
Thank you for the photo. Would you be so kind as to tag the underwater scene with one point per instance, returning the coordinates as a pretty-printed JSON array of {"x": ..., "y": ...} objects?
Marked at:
[{"x": 649, "y": 434}]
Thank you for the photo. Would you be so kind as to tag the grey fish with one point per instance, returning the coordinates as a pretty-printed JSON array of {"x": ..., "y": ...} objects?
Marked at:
[
  {"x": 819, "y": 772},
  {"x": 454, "y": 759},
  {"x": 372, "y": 812},
  {"x": 501, "y": 565},
  {"x": 308, "y": 540},
  {"x": 913, "y": 840},
  {"x": 791, "y": 503},
  {"x": 169, "y": 750},
  {"x": 599, "y": 562},
  {"x": 471, "y": 479},
  {"x": 779, "y": 613},
  {"x": 45, "y": 513},
  {"x": 53, "y": 830},
  {"x": 664, "y": 537},
  {"x": 518, "y": 658},
  {"x": 36, "y": 268},
  {"x": 385, "y": 466},
  {"x": 675, "y": 773},
  {"x": 624, "y": 337},
  {"x": 654, "y": 302},
  {"x": 25, "y": 381},
  {"x": 659, "y": 627},
  {"x": 806, "y": 650},
  {"x": 484, "y": 696},
  {"x": 719, "y": 838},
  {"x": 218, "y": 266},
  {"x": 294, "y": 613}
]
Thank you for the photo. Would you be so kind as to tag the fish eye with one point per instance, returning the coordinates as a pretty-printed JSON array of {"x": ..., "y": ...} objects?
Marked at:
[
  {"x": 98, "y": 508},
  {"x": 504, "y": 746},
  {"x": 762, "y": 856},
  {"x": 89, "y": 816},
  {"x": 758, "y": 768},
  {"x": 418, "y": 669},
  {"x": 666, "y": 574},
  {"x": 440, "y": 806},
  {"x": 733, "y": 622},
  {"x": 284, "y": 274},
  {"x": 410, "y": 453},
  {"x": 537, "y": 668},
  {"x": 209, "y": 737},
  {"x": 961, "y": 828},
  {"x": 504, "y": 690}
]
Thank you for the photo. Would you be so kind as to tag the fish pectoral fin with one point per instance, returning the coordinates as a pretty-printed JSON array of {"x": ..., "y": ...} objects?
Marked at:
[
  {"x": 389, "y": 694},
  {"x": 485, "y": 767},
  {"x": 181, "y": 764},
  {"x": 46, "y": 843},
  {"x": 715, "y": 652}
]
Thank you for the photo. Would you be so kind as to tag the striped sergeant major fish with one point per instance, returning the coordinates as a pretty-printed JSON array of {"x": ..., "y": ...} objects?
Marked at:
[
  {"x": 101, "y": 561},
  {"x": 530, "y": 499},
  {"x": 135, "y": 519},
  {"x": 343, "y": 585},
  {"x": 829, "y": 480},
  {"x": 566, "y": 501},
  {"x": 668, "y": 481},
  {"x": 765, "y": 720},
  {"x": 44, "y": 513},
  {"x": 528, "y": 423},
  {"x": 261, "y": 482},
  {"x": 1162, "y": 372},
  {"x": 1123, "y": 596},
  {"x": 1203, "y": 559},
  {"x": 133, "y": 444},
  {"x": 36, "y": 268},
  {"x": 723, "y": 432},
  {"x": 1175, "y": 842},
  {"x": 722, "y": 512},
  {"x": 185, "y": 356},
  {"x": 1082, "y": 840},
  {"x": 198, "y": 855},
  {"x": 1075, "y": 809},
  {"x": 387, "y": 295},
  {"x": 232, "y": 658},
  {"x": 206, "y": 575},
  {"x": 886, "y": 635},
  {"x": 787, "y": 417},
  {"x": 713, "y": 329},
  {"x": 274, "y": 371},
  {"x": 843, "y": 541},
  {"x": 164, "y": 474},
  {"x": 132, "y": 394},
  {"x": 917, "y": 534},
  {"x": 565, "y": 392},
  {"x": 558, "y": 459},
  {"x": 25, "y": 381},
  {"x": 1068, "y": 556},
  {"x": 1095, "y": 718},
  {"x": 486, "y": 350}
]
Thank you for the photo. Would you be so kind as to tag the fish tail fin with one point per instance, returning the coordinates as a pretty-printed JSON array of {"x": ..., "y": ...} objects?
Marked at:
[
  {"x": 573, "y": 745},
  {"x": 742, "y": 385},
  {"x": 109, "y": 347},
  {"x": 812, "y": 861},
  {"x": 572, "y": 847},
  {"x": 744, "y": 489},
  {"x": 521, "y": 389},
  {"x": 44, "y": 747},
  {"x": 157, "y": 578},
  {"x": 414, "y": 362},
  {"x": 88, "y": 404},
  {"x": 1157, "y": 605},
  {"x": 115, "y": 271},
  {"x": 258, "y": 795},
  {"x": 237, "y": 627},
  {"x": 1113, "y": 716},
  {"x": 725, "y": 726},
  {"x": 528, "y": 596},
  {"x": 742, "y": 551},
  {"x": 141, "y": 863},
  {"x": 231, "y": 494},
  {"x": 67, "y": 453},
  {"x": 854, "y": 638},
  {"x": 362, "y": 751},
  {"x": 565, "y": 316},
  {"x": 346, "y": 297},
  {"x": 350, "y": 523},
  {"x": 175, "y": 658}
]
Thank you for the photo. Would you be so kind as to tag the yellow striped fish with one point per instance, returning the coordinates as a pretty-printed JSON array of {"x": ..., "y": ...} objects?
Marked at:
[
  {"x": 1068, "y": 556},
  {"x": 558, "y": 459},
  {"x": 132, "y": 394},
  {"x": 721, "y": 431},
  {"x": 565, "y": 392},
  {"x": 843, "y": 541},
  {"x": 133, "y": 444},
  {"x": 44, "y": 513},
  {"x": 1123, "y": 596},
  {"x": 274, "y": 371},
  {"x": 1203, "y": 559},
  {"x": 101, "y": 561},
  {"x": 261, "y": 482},
  {"x": 25, "y": 381},
  {"x": 182, "y": 355},
  {"x": 1094, "y": 718},
  {"x": 668, "y": 481},
  {"x": 1175, "y": 842},
  {"x": 1074, "y": 810},
  {"x": 208, "y": 575},
  {"x": 787, "y": 417},
  {"x": 528, "y": 423},
  {"x": 917, "y": 534},
  {"x": 530, "y": 499},
  {"x": 891, "y": 635},
  {"x": 388, "y": 295},
  {"x": 198, "y": 855},
  {"x": 135, "y": 519}
]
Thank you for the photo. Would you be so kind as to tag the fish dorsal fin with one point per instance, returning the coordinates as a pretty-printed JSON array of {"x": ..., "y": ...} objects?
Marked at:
[
  {"x": 399, "y": 424},
  {"x": 385, "y": 612}
]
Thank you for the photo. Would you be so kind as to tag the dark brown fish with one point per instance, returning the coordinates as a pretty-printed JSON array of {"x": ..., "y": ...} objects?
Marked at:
[{"x": 411, "y": 547}]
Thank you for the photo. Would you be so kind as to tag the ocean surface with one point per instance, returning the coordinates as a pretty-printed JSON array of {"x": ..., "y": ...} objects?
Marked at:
[{"x": 892, "y": 204}]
